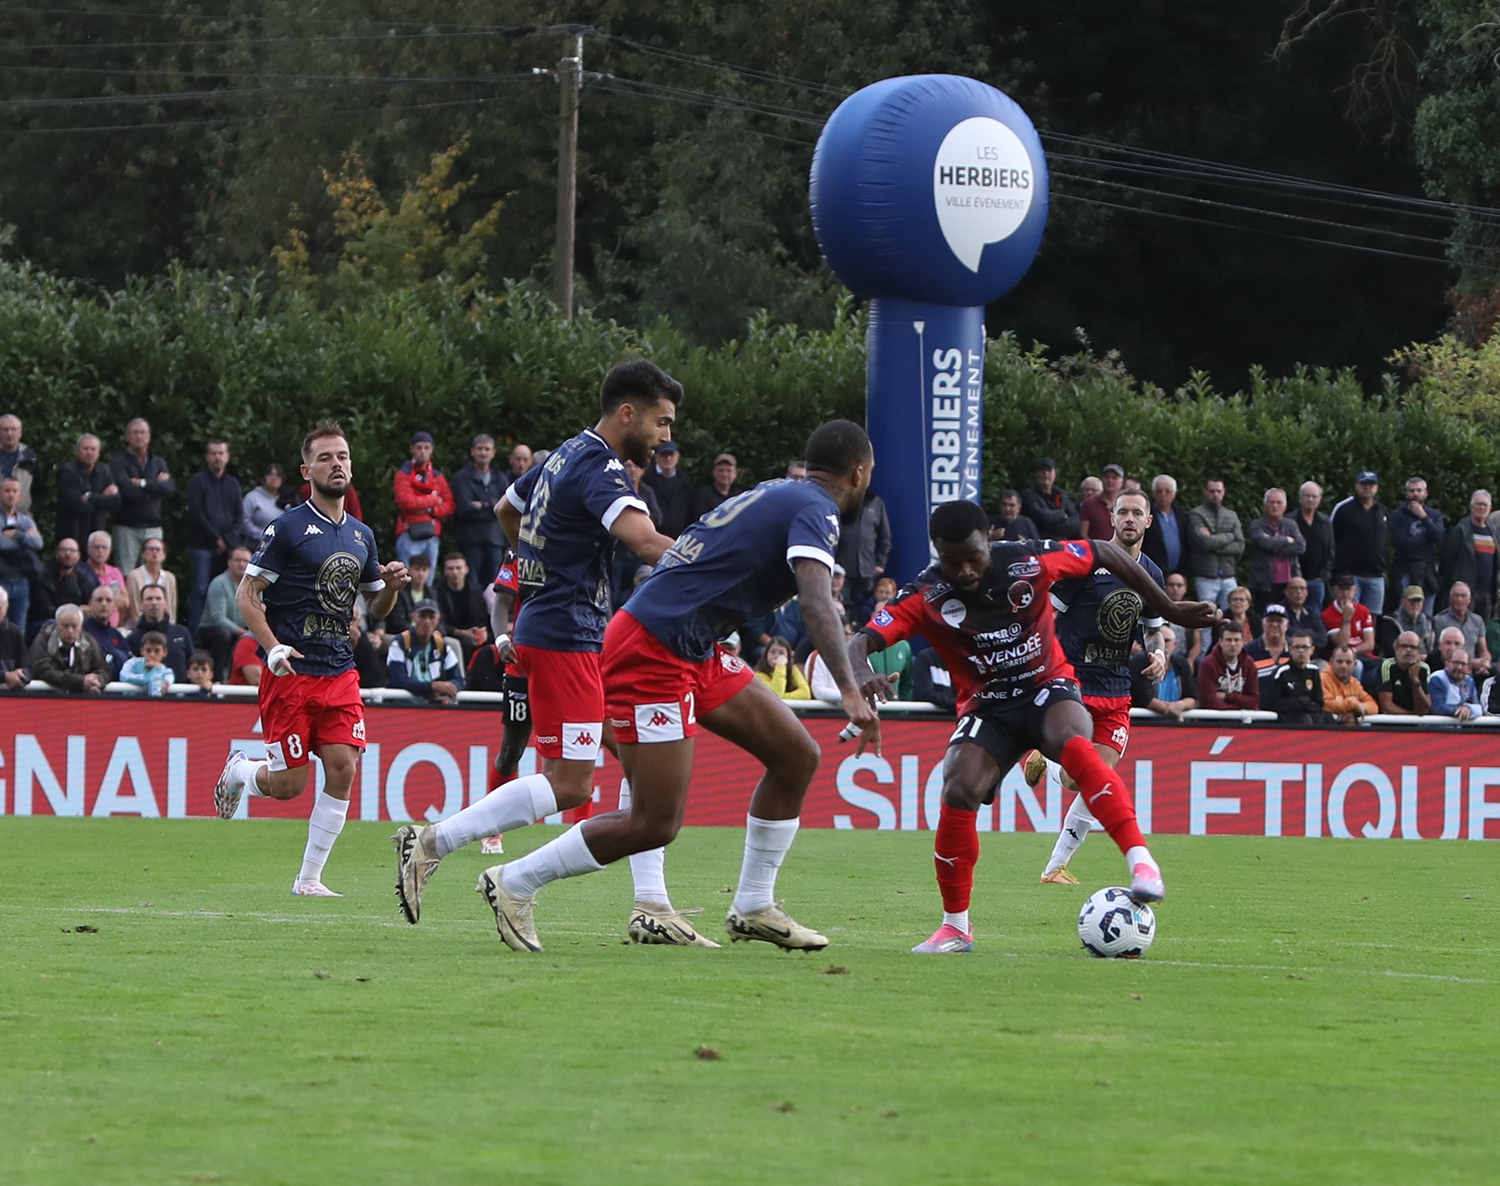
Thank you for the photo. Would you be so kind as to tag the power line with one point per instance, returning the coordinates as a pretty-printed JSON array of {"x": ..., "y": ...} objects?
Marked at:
[
  {"x": 1260, "y": 211},
  {"x": 707, "y": 99},
  {"x": 324, "y": 39},
  {"x": 1252, "y": 230},
  {"x": 242, "y": 120},
  {"x": 164, "y": 97}
]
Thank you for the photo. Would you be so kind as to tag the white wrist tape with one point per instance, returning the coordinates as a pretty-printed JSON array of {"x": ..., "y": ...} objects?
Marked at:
[{"x": 279, "y": 659}]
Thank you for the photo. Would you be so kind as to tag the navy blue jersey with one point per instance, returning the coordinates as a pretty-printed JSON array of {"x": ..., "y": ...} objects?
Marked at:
[
  {"x": 735, "y": 563},
  {"x": 568, "y": 504},
  {"x": 316, "y": 568},
  {"x": 1098, "y": 618}
]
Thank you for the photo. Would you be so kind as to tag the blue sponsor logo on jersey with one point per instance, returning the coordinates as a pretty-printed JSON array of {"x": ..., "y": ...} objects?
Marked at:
[
  {"x": 1075, "y": 548},
  {"x": 882, "y": 617}
]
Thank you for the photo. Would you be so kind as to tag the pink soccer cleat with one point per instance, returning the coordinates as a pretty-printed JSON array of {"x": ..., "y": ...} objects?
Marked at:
[
  {"x": 1146, "y": 884},
  {"x": 946, "y": 940},
  {"x": 313, "y": 889}
]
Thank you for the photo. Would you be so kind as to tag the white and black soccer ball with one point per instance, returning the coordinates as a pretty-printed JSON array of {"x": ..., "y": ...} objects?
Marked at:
[{"x": 1112, "y": 925}]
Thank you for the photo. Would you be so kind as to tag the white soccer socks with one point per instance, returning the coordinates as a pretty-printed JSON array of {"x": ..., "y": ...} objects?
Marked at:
[
  {"x": 567, "y": 856},
  {"x": 323, "y": 828},
  {"x": 1077, "y": 825},
  {"x": 246, "y": 773},
  {"x": 766, "y": 845},
  {"x": 517, "y": 804},
  {"x": 647, "y": 869}
]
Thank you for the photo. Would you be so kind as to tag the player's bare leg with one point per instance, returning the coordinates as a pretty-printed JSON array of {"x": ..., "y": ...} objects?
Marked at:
[
  {"x": 754, "y": 719},
  {"x": 512, "y": 748},
  {"x": 1077, "y": 823},
  {"x": 1066, "y": 729},
  {"x": 243, "y": 775},
  {"x": 969, "y": 774}
]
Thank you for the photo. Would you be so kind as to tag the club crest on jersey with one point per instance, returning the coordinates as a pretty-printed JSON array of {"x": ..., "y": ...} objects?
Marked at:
[
  {"x": 882, "y": 617},
  {"x": 1075, "y": 548},
  {"x": 954, "y": 611},
  {"x": 1020, "y": 595},
  {"x": 338, "y": 582},
  {"x": 1025, "y": 569}
]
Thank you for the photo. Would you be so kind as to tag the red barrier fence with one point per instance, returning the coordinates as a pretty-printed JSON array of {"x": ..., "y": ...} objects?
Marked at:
[{"x": 160, "y": 759}]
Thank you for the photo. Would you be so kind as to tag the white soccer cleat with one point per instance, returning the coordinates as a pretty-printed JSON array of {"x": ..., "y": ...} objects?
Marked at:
[
  {"x": 513, "y": 918},
  {"x": 492, "y": 846},
  {"x": 652, "y": 923},
  {"x": 313, "y": 889},
  {"x": 1146, "y": 884},
  {"x": 772, "y": 924},
  {"x": 226, "y": 796},
  {"x": 416, "y": 861}
]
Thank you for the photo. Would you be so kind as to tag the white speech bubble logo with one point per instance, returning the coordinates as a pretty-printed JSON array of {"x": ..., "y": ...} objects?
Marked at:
[{"x": 982, "y": 184}]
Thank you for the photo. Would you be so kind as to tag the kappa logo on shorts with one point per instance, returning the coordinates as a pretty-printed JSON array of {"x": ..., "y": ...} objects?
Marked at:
[
  {"x": 659, "y": 722},
  {"x": 585, "y": 738},
  {"x": 359, "y": 730},
  {"x": 954, "y": 611},
  {"x": 546, "y": 740},
  {"x": 616, "y": 723},
  {"x": 580, "y": 740}
]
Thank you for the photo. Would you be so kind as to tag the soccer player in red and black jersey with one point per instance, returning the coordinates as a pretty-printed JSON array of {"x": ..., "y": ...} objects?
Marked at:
[
  {"x": 986, "y": 609},
  {"x": 297, "y": 597}
]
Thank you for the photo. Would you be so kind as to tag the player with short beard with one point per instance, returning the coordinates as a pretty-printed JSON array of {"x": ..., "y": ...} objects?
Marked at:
[
  {"x": 1097, "y": 621},
  {"x": 297, "y": 597},
  {"x": 666, "y": 675},
  {"x": 986, "y": 609},
  {"x": 563, "y": 518}
]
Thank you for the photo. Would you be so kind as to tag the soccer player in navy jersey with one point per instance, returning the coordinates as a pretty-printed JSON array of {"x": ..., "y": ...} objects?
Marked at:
[
  {"x": 563, "y": 518},
  {"x": 297, "y": 599},
  {"x": 665, "y": 674},
  {"x": 1098, "y": 620},
  {"x": 986, "y": 609}
]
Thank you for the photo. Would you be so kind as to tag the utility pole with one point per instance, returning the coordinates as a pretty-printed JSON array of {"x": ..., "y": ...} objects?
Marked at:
[{"x": 569, "y": 83}]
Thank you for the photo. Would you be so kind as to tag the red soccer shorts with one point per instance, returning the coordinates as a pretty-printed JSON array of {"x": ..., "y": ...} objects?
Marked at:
[
  {"x": 299, "y": 713},
  {"x": 1111, "y": 720},
  {"x": 567, "y": 702},
  {"x": 654, "y": 696}
]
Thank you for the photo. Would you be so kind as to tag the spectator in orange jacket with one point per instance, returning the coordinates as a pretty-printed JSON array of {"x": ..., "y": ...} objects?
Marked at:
[{"x": 423, "y": 501}]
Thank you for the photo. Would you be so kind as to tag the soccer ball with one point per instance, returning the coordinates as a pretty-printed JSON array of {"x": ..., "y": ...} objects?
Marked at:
[{"x": 1112, "y": 926}]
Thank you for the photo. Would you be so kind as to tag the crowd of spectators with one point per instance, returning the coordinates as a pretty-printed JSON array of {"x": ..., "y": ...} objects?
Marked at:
[{"x": 1331, "y": 615}]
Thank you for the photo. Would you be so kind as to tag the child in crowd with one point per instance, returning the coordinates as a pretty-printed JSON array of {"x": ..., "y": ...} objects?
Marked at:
[{"x": 149, "y": 669}]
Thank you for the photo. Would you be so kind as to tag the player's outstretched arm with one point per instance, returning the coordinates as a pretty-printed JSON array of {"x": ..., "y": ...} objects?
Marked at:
[
  {"x": 500, "y": 622},
  {"x": 873, "y": 687},
  {"x": 396, "y": 578},
  {"x": 634, "y": 529},
  {"x": 1197, "y": 615},
  {"x": 824, "y": 626},
  {"x": 247, "y": 598},
  {"x": 510, "y": 522}
]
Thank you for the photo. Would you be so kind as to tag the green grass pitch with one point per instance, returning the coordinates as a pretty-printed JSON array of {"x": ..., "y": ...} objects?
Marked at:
[{"x": 1312, "y": 1012}]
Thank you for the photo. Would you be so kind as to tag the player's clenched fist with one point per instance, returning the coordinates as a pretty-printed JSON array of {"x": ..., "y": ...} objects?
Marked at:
[
  {"x": 394, "y": 574},
  {"x": 1197, "y": 615}
]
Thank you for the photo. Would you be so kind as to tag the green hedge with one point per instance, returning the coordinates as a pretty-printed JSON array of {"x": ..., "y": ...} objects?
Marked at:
[{"x": 204, "y": 354}]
